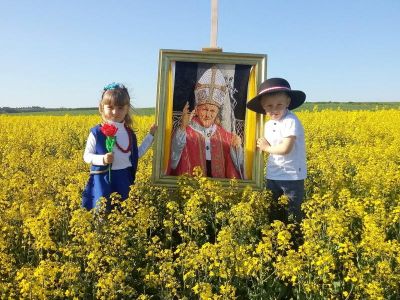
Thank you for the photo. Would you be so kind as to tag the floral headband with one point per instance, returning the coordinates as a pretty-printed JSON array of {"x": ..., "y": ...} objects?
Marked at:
[{"x": 113, "y": 86}]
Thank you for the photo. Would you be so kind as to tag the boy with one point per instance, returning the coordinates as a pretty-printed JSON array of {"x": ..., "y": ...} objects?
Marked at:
[{"x": 284, "y": 141}]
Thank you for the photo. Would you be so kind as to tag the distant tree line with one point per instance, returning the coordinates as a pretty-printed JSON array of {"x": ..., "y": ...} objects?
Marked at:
[
  {"x": 350, "y": 105},
  {"x": 10, "y": 110}
]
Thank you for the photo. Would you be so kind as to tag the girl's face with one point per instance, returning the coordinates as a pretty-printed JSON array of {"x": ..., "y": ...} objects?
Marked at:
[
  {"x": 275, "y": 105},
  {"x": 115, "y": 113}
]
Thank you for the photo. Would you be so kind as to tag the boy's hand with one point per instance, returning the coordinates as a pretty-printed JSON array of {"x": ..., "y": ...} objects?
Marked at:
[
  {"x": 153, "y": 129},
  {"x": 262, "y": 144},
  {"x": 186, "y": 116},
  {"x": 108, "y": 158}
]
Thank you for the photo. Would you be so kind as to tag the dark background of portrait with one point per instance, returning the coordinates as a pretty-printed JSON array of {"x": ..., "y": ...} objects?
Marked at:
[{"x": 186, "y": 79}]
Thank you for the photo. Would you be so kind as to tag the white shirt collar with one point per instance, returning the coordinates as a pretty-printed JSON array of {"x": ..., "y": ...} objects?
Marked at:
[
  {"x": 117, "y": 124},
  {"x": 206, "y": 132}
]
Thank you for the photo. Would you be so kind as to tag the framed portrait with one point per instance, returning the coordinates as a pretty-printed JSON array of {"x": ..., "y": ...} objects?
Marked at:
[{"x": 202, "y": 117}]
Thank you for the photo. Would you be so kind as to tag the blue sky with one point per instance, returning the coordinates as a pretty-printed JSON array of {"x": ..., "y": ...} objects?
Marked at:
[{"x": 61, "y": 53}]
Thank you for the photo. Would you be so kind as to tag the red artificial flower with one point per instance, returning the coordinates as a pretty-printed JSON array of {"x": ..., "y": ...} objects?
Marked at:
[{"x": 109, "y": 129}]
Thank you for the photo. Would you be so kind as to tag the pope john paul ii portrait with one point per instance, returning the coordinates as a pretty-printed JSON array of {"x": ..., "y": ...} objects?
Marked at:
[{"x": 204, "y": 119}]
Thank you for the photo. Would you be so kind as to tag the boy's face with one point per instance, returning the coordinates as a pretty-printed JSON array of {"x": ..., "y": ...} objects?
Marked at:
[
  {"x": 275, "y": 105},
  {"x": 207, "y": 114}
]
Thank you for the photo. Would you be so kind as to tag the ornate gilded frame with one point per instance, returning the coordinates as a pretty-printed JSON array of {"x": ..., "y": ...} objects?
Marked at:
[{"x": 253, "y": 122}]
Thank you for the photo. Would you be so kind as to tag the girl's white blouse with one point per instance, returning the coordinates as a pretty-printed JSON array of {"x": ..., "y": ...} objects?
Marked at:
[{"x": 121, "y": 159}]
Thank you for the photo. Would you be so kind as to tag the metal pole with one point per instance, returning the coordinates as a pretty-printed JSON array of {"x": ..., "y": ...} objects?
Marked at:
[{"x": 214, "y": 23}]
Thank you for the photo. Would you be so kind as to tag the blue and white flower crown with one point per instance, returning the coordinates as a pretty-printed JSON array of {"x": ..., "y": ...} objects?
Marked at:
[{"x": 113, "y": 86}]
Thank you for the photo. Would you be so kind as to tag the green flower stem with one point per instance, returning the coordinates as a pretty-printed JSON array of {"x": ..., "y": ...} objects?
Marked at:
[{"x": 110, "y": 142}]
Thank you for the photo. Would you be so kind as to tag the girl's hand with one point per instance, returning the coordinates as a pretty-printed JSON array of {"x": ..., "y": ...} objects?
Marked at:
[
  {"x": 108, "y": 158},
  {"x": 186, "y": 116},
  {"x": 262, "y": 144},
  {"x": 236, "y": 140},
  {"x": 153, "y": 129}
]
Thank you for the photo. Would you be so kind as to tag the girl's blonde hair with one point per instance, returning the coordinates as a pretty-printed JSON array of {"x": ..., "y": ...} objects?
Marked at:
[{"x": 117, "y": 96}]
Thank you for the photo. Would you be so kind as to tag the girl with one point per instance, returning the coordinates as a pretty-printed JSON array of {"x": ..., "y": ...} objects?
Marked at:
[{"x": 113, "y": 171}]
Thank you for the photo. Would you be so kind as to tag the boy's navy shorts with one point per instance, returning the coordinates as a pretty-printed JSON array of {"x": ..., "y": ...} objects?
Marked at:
[{"x": 294, "y": 190}]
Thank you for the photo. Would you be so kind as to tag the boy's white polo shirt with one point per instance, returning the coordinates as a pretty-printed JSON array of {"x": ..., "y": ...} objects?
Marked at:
[{"x": 291, "y": 166}]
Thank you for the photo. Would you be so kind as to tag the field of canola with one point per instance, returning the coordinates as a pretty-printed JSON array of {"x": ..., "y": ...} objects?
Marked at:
[{"x": 201, "y": 241}]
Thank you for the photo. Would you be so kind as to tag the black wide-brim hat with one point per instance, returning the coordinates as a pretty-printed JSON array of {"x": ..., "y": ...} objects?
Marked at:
[{"x": 274, "y": 85}]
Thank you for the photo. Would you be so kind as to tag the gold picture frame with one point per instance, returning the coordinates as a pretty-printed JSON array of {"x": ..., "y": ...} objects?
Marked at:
[{"x": 178, "y": 73}]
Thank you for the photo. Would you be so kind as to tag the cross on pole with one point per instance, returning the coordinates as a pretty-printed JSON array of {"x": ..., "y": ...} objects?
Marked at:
[
  {"x": 214, "y": 28},
  {"x": 214, "y": 23}
]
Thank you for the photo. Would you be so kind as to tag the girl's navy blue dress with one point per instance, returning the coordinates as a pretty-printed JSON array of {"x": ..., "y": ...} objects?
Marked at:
[{"x": 99, "y": 184}]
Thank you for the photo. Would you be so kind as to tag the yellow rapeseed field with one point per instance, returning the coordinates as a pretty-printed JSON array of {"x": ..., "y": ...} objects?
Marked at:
[{"x": 201, "y": 241}]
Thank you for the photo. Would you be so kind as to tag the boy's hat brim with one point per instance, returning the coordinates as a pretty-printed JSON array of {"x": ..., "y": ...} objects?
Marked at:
[{"x": 274, "y": 85}]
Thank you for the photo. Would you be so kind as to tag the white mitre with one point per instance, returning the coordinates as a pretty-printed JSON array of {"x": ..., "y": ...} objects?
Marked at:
[{"x": 211, "y": 88}]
